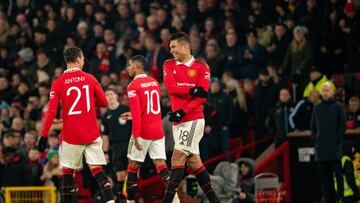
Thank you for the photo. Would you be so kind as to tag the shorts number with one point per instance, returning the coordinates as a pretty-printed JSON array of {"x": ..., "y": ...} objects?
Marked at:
[
  {"x": 78, "y": 92},
  {"x": 152, "y": 97}
]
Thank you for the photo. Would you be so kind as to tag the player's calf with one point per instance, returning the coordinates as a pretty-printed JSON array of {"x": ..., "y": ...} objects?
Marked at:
[
  {"x": 177, "y": 173},
  {"x": 103, "y": 182},
  {"x": 68, "y": 189},
  {"x": 203, "y": 179},
  {"x": 131, "y": 184}
]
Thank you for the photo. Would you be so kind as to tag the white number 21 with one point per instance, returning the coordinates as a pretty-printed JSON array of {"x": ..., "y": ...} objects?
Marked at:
[{"x": 78, "y": 91}]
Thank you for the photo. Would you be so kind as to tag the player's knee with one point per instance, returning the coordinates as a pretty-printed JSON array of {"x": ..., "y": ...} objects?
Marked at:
[
  {"x": 178, "y": 158},
  {"x": 133, "y": 164},
  {"x": 159, "y": 162},
  {"x": 121, "y": 175}
]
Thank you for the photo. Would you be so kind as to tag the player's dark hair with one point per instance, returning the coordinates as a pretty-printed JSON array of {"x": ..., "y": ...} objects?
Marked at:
[
  {"x": 140, "y": 59},
  {"x": 111, "y": 89},
  {"x": 71, "y": 54},
  {"x": 180, "y": 36}
]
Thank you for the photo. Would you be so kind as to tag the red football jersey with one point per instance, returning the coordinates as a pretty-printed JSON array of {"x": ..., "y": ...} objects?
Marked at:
[
  {"x": 144, "y": 100},
  {"x": 78, "y": 93},
  {"x": 179, "y": 78}
]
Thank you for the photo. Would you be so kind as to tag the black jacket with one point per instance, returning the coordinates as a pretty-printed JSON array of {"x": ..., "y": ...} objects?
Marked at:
[
  {"x": 278, "y": 122},
  {"x": 300, "y": 117},
  {"x": 328, "y": 129},
  {"x": 221, "y": 111}
]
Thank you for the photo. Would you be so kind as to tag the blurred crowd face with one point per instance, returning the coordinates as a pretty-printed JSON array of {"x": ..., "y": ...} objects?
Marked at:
[
  {"x": 30, "y": 139},
  {"x": 327, "y": 91},
  {"x": 314, "y": 75},
  {"x": 251, "y": 39},
  {"x": 101, "y": 48},
  {"x": 285, "y": 96},
  {"x": 231, "y": 38},
  {"x": 210, "y": 51},
  {"x": 140, "y": 19},
  {"x": 214, "y": 87},
  {"x": 34, "y": 155},
  {"x": 354, "y": 105},
  {"x": 279, "y": 31},
  {"x": 299, "y": 37},
  {"x": 314, "y": 96},
  {"x": 8, "y": 141},
  {"x": 17, "y": 124},
  {"x": 4, "y": 84},
  {"x": 111, "y": 97}
]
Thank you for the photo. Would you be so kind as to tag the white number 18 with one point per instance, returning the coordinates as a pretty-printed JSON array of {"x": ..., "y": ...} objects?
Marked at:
[{"x": 78, "y": 91}]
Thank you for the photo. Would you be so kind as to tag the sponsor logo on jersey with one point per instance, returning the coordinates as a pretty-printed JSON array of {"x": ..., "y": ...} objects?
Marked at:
[
  {"x": 131, "y": 93},
  {"x": 191, "y": 73}
]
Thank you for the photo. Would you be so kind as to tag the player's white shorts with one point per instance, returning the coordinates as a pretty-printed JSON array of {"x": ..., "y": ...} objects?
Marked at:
[
  {"x": 71, "y": 155},
  {"x": 156, "y": 149},
  {"x": 188, "y": 135}
]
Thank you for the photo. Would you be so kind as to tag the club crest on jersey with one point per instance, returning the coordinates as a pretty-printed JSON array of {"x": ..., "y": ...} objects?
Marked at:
[
  {"x": 131, "y": 93},
  {"x": 164, "y": 72},
  {"x": 191, "y": 73}
]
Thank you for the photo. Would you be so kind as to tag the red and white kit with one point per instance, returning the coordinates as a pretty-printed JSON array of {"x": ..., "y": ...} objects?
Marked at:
[
  {"x": 78, "y": 93},
  {"x": 179, "y": 78},
  {"x": 144, "y": 100}
]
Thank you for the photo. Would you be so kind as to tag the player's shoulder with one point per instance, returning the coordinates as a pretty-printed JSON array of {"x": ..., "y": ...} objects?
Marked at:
[
  {"x": 201, "y": 62},
  {"x": 169, "y": 62}
]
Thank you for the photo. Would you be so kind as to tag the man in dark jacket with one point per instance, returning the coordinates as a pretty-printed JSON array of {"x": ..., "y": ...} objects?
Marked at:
[
  {"x": 266, "y": 96},
  {"x": 328, "y": 129},
  {"x": 278, "y": 120},
  {"x": 13, "y": 172},
  {"x": 220, "y": 112},
  {"x": 299, "y": 119}
]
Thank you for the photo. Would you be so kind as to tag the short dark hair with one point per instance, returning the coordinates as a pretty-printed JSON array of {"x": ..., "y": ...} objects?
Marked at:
[
  {"x": 71, "y": 54},
  {"x": 180, "y": 36},
  {"x": 111, "y": 89},
  {"x": 140, "y": 59}
]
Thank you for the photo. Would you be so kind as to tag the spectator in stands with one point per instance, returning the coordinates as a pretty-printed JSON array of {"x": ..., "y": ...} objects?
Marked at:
[
  {"x": 29, "y": 143},
  {"x": 13, "y": 171},
  {"x": 351, "y": 191},
  {"x": 332, "y": 45},
  {"x": 212, "y": 57},
  {"x": 6, "y": 93},
  {"x": 298, "y": 59},
  {"x": 220, "y": 111},
  {"x": 231, "y": 52},
  {"x": 317, "y": 79},
  {"x": 52, "y": 170},
  {"x": 245, "y": 190},
  {"x": 353, "y": 113},
  {"x": 155, "y": 56},
  {"x": 274, "y": 75},
  {"x": 241, "y": 103},
  {"x": 266, "y": 96},
  {"x": 34, "y": 166},
  {"x": 299, "y": 119},
  {"x": 350, "y": 25},
  {"x": 278, "y": 45},
  {"x": 328, "y": 129},
  {"x": 102, "y": 63},
  {"x": 253, "y": 56},
  {"x": 278, "y": 120}
]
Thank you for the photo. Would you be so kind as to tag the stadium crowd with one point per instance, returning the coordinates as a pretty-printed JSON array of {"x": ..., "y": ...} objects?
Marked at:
[{"x": 268, "y": 61}]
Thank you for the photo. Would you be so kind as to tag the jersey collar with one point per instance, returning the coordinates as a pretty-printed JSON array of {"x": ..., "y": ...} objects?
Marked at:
[
  {"x": 140, "y": 76},
  {"x": 72, "y": 70},
  {"x": 188, "y": 64}
]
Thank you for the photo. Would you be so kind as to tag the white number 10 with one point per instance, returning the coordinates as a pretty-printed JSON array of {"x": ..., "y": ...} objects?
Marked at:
[
  {"x": 78, "y": 91},
  {"x": 153, "y": 94}
]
